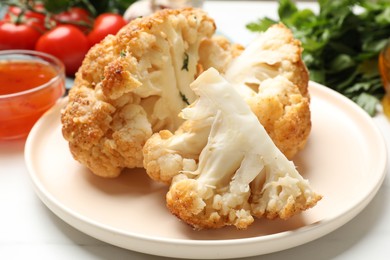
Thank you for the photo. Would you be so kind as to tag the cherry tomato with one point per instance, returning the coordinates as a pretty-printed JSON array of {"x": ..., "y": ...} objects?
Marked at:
[
  {"x": 67, "y": 43},
  {"x": 76, "y": 16},
  {"x": 17, "y": 36},
  {"x": 105, "y": 24}
]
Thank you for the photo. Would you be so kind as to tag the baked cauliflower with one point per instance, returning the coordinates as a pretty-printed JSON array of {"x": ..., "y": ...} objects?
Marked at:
[
  {"x": 131, "y": 85},
  {"x": 282, "y": 108},
  {"x": 135, "y": 83},
  {"x": 227, "y": 170}
]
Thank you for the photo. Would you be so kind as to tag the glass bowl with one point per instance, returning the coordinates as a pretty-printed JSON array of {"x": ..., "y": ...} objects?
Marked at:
[{"x": 31, "y": 82}]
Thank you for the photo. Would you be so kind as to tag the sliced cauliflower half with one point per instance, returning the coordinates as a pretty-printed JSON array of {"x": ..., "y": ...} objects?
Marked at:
[
  {"x": 131, "y": 85},
  {"x": 234, "y": 171}
]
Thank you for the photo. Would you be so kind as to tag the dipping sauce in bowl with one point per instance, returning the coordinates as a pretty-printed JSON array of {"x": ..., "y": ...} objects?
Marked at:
[{"x": 30, "y": 83}]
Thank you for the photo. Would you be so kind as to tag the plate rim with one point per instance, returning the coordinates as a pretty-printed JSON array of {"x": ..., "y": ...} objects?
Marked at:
[{"x": 320, "y": 228}]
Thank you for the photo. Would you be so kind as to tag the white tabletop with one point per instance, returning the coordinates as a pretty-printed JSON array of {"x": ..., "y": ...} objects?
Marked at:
[{"x": 29, "y": 230}]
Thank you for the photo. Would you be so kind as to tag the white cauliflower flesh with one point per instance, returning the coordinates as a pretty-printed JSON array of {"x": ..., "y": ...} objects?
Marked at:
[{"x": 238, "y": 172}]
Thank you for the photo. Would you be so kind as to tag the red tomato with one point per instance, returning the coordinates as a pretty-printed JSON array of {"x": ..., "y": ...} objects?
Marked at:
[
  {"x": 17, "y": 36},
  {"x": 67, "y": 43},
  {"x": 75, "y": 15},
  {"x": 105, "y": 24}
]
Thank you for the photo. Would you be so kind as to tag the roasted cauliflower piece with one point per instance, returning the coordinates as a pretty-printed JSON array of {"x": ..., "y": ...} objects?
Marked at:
[
  {"x": 131, "y": 85},
  {"x": 281, "y": 106},
  {"x": 284, "y": 112},
  {"x": 225, "y": 167}
]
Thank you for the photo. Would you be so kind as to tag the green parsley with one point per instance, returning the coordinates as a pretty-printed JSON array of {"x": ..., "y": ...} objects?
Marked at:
[
  {"x": 341, "y": 44},
  {"x": 184, "y": 98},
  {"x": 123, "y": 53},
  {"x": 185, "y": 62}
]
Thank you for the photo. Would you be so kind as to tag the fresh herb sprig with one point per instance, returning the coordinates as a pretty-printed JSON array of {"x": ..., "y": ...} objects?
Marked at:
[{"x": 341, "y": 44}]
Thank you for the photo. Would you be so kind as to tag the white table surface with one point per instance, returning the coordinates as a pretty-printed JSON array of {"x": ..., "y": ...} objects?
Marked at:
[{"x": 29, "y": 230}]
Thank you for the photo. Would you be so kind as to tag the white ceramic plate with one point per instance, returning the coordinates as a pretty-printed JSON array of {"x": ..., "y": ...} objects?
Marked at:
[{"x": 345, "y": 161}]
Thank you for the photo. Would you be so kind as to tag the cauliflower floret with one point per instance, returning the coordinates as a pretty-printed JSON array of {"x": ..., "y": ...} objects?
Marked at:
[
  {"x": 274, "y": 52},
  {"x": 284, "y": 113},
  {"x": 239, "y": 172},
  {"x": 165, "y": 154},
  {"x": 131, "y": 85},
  {"x": 281, "y": 106},
  {"x": 126, "y": 126}
]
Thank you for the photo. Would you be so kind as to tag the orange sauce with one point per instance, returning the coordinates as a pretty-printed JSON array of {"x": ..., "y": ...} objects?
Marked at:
[
  {"x": 19, "y": 112},
  {"x": 23, "y": 75}
]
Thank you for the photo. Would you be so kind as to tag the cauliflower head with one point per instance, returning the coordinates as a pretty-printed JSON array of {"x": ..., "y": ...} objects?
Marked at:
[
  {"x": 227, "y": 170},
  {"x": 282, "y": 106},
  {"x": 131, "y": 85}
]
